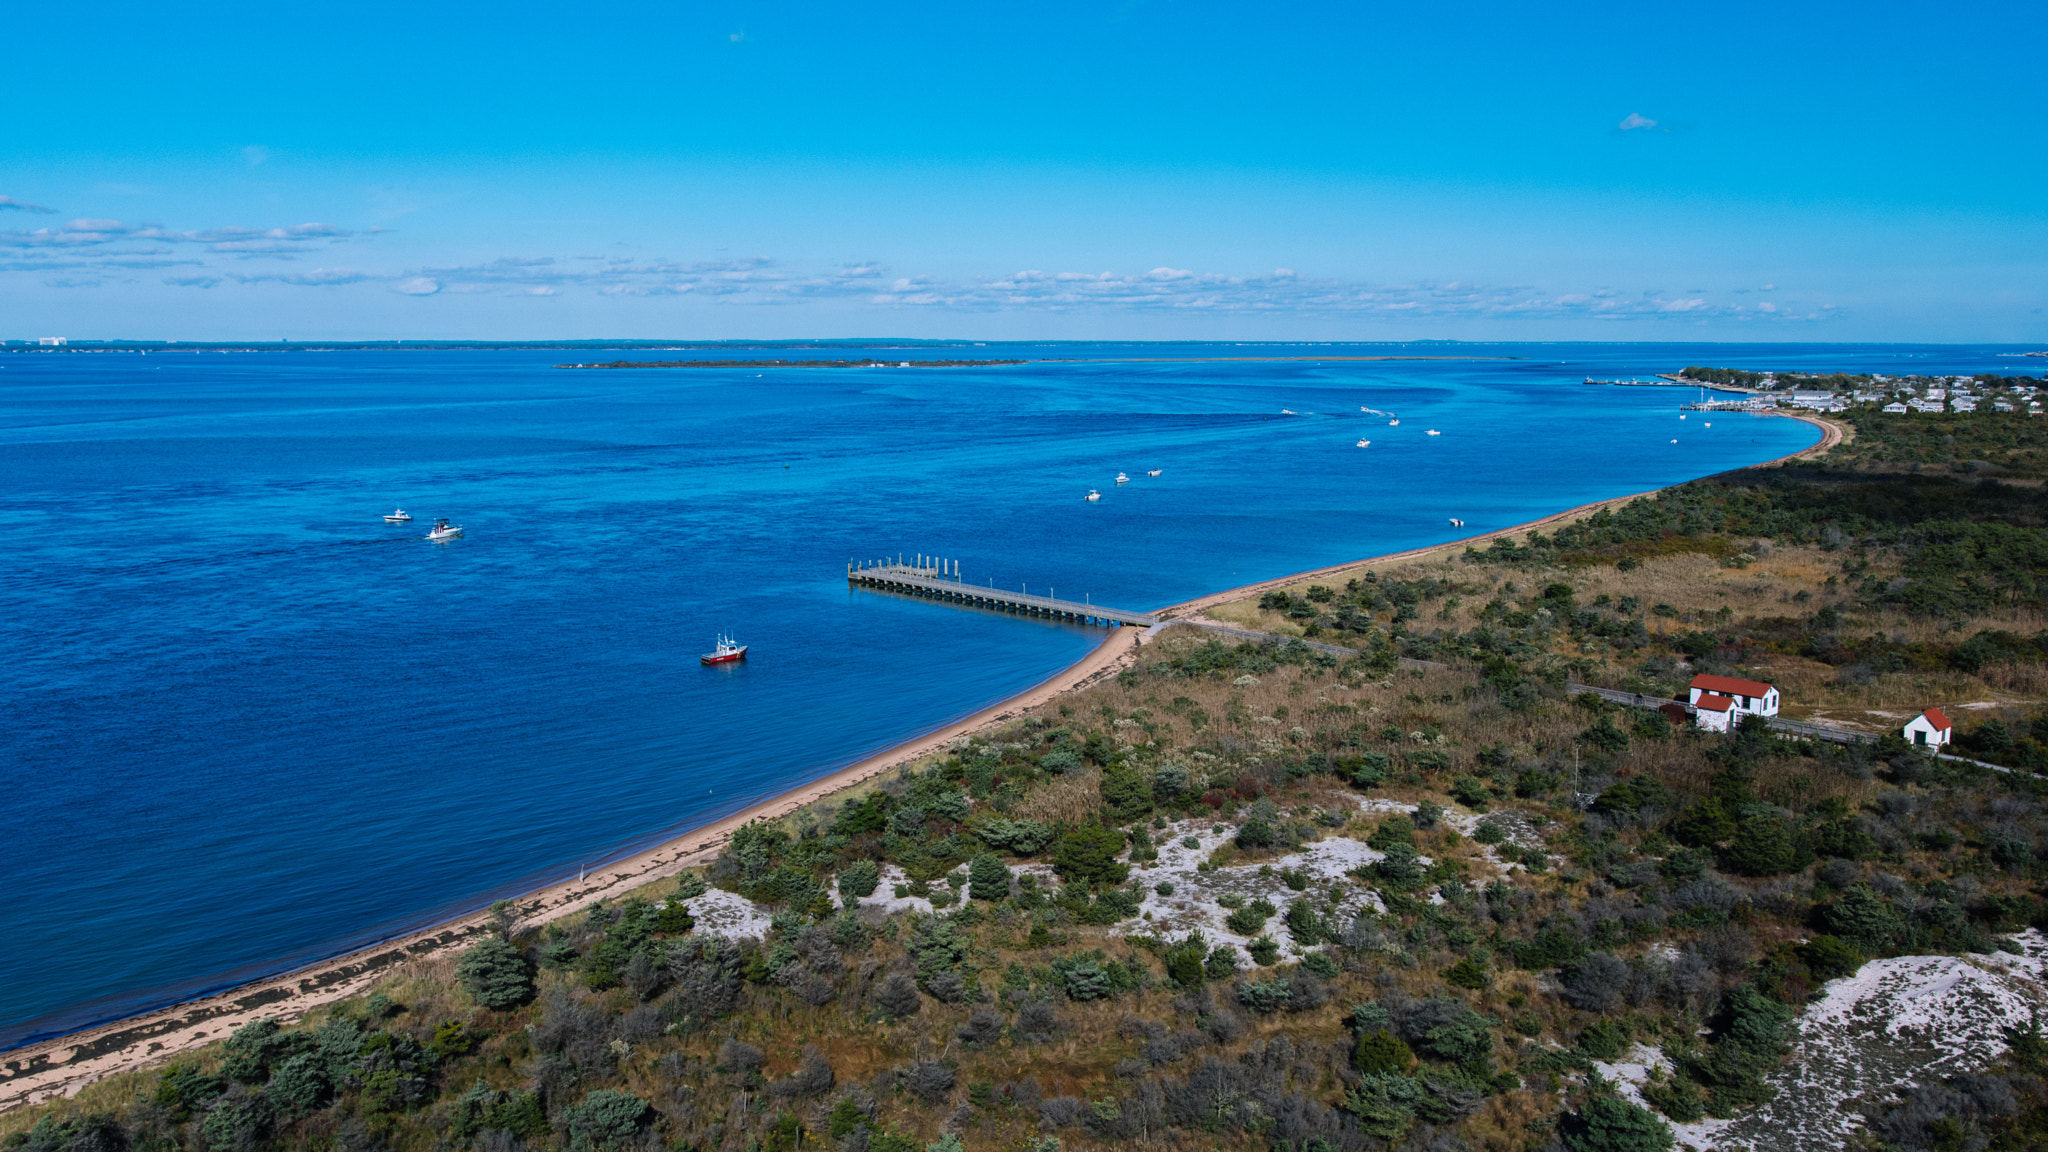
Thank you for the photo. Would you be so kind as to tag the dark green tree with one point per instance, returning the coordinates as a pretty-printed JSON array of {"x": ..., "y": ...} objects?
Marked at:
[
  {"x": 495, "y": 975},
  {"x": 1612, "y": 1124},
  {"x": 1126, "y": 792},
  {"x": 987, "y": 877},
  {"x": 1862, "y": 918},
  {"x": 607, "y": 1120},
  {"x": 1088, "y": 853},
  {"x": 859, "y": 880}
]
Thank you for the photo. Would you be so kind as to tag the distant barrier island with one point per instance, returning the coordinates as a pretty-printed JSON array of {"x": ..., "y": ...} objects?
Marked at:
[{"x": 795, "y": 364}]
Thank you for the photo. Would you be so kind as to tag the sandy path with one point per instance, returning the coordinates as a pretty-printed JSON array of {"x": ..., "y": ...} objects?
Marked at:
[{"x": 62, "y": 1066}]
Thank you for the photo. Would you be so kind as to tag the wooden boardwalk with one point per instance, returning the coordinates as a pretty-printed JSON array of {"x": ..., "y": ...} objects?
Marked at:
[{"x": 940, "y": 581}]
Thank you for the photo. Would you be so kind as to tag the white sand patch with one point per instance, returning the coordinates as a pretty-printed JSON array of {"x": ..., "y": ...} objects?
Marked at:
[
  {"x": 1193, "y": 905},
  {"x": 1632, "y": 1071},
  {"x": 885, "y": 898},
  {"x": 727, "y": 914},
  {"x": 1907, "y": 1020}
]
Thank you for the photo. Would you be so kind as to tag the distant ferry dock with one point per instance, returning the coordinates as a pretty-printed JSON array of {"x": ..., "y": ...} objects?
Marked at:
[{"x": 940, "y": 580}]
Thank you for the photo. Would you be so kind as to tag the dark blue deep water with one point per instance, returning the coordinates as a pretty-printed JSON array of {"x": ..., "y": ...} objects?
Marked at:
[{"x": 244, "y": 723}]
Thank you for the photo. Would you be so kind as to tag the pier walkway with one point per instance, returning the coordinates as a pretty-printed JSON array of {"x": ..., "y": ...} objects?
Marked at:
[{"x": 939, "y": 580}]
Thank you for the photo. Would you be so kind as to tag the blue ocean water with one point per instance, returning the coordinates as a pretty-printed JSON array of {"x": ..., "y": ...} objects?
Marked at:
[{"x": 247, "y": 724}]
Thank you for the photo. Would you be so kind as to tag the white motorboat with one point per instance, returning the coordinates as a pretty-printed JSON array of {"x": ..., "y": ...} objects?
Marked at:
[
  {"x": 443, "y": 530},
  {"x": 1394, "y": 423},
  {"x": 400, "y": 516},
  {"x": 1432, "y": 432},
  {"x": 1155, "y": 472},
  {"x": 1093, "y": 495},
  {"x": 1122, "y": 479},
  {"x": 1365, "y": 443}
]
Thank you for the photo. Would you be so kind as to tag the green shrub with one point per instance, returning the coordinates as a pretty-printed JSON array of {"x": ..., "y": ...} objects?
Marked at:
[
  {"x": 1468, "y": 973},
  {"x": 1381, "y": 1051},
  {"x": 1249, "y": 919},
  {"x": 1471, "y": 792},
  {"x": 1221, "y": 963},
  {"x": 1089, "y": 853},
  {"x": 1265, "y": 951},
  {"x": 1397, "y": 829},
  {"x": 1126, "y": 792},
  {"x": 858, "y": 880},
  {"x": 990, "y": 879},
  {"x": 495, "y": 975},
  {"x": 1489, "y": 832},
  {"x": 1319, "y": 964},
  {"x": 1265, "y": 996},
  {"x": 1017, "y": 837},
  {"x": 607, "y": 1119},
  {"x": 1612, "y": 1124},
  {"x": 1605, "y": 1040},
  {"x": 1830, "y": 957}
]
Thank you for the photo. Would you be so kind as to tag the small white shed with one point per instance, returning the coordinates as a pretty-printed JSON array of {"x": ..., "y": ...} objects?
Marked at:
[{"x": 1930, "y": 729}]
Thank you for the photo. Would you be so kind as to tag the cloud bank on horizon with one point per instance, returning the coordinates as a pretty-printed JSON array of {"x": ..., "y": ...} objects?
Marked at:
[{"x": 1149, "y": 171}]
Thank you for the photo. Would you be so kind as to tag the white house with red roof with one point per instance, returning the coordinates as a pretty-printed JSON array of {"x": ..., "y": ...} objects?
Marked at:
[
  {"x": 1750, "y": 697},
  {"x": 1930, "y": 729},
  {"x": 1712, "y": 712}
]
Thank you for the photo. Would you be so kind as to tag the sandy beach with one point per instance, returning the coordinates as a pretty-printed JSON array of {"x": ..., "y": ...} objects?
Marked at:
[{"x": 62, "y": 1066}]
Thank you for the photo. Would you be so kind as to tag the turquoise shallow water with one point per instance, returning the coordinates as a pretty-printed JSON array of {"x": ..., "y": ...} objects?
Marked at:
[{"x": 248, "y": 724}]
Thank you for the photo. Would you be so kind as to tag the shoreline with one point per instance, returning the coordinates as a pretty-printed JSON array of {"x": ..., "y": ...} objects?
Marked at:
[{"x": 61, "y": 1066}]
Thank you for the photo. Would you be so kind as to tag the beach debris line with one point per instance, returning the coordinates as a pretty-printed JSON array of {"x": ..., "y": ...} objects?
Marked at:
[{"x": 937, "y": 579}]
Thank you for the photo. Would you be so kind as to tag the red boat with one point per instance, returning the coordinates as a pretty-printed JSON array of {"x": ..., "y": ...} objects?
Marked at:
[{"x": 727, "y": 652}]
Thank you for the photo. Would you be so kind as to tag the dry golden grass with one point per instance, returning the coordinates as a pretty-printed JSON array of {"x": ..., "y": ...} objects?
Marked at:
[
  {"x": 1698, "y": 587},
  {"x": 1071, "y": 798}
]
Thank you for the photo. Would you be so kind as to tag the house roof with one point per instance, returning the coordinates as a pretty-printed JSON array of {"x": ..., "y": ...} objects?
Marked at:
[
  {"x": 1728, "y": 686},
  {"x": 1935, "y": 718},
  {"x": 1713, "y": 703}
]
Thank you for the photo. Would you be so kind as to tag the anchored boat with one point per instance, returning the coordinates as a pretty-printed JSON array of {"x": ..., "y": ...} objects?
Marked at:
[
  {"x": 443, "y": 530},
  {"x": 725, "y": 652},
  {"x": 400, "y": 516}
]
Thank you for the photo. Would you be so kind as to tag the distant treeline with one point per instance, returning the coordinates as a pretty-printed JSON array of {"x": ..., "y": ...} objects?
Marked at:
[{"x": 793, "y": 364}]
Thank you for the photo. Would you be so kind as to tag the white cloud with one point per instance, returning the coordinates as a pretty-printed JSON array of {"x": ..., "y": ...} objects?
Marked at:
[
  {"x": 1692, "y": 305},
  {"x": 417, "y": 286},
  {"x": 1634, "y": 121},
  {"x": 542, "y": 290},
  {"x": 9, "y": 203}
]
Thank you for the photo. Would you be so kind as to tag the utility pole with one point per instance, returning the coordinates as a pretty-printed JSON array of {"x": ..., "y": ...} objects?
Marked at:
[{"x": 1577, "y": 802}]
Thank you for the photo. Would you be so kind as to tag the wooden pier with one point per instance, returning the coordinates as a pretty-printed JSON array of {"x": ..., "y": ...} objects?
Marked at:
[{"x": 940, "y": 580}]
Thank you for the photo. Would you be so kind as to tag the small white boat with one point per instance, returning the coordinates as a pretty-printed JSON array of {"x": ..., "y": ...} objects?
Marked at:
[
  {"x": 1122, "y": 479},
  {"x": 1432, "y": 432},
  {"x": 1457, "y": 523},
  {"x": 1365, "y": 443},
  {"x": 1155, "y": 472},
  {"x": 1395, "y": 422},
  {"x": 1710, "y": 423},
  {"x": 1093, "y": 495},
  {"x": 443, "y": 530},
  {"x": 398, "y": 517},
  {"x": 1674, "y": 441}
]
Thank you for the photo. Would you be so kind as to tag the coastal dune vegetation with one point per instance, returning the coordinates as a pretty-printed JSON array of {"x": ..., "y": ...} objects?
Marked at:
[{"x": 1264, "y": 896}]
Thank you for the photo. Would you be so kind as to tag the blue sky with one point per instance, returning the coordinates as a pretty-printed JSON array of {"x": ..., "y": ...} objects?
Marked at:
[{"x": 1132, "y": 169}]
